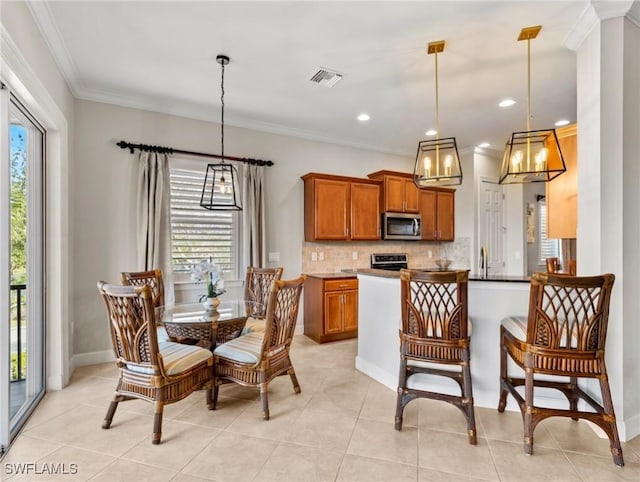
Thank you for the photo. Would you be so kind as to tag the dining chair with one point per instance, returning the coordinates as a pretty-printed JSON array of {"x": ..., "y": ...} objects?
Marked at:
[
  {"x": 254, "y": 359},
  {"x": 563, "y": 335},
  {"x": 552, "y": 264},
  {"x": 434, "y": 340},
  {"x": 153, "y": 278},
  {"x": 157, "y": 372},
  {"x": 256, "y": 288}
]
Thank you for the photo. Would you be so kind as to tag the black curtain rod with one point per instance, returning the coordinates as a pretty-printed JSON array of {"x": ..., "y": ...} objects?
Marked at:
[{"x": 171, "y": 150}]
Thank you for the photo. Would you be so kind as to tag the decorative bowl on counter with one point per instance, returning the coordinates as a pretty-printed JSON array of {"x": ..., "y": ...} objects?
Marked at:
[{"x": 443, "y": 264}]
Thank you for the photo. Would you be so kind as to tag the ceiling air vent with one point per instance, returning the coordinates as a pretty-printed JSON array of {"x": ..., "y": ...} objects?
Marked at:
[{"x": 326, "y": 77}]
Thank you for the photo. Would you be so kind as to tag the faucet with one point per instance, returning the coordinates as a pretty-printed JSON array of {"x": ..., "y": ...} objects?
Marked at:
[{"x": 484, "y": 262}]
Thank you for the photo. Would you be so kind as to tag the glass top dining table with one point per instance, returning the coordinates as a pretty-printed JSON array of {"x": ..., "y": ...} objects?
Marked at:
[{"x": 193, "y": 324}]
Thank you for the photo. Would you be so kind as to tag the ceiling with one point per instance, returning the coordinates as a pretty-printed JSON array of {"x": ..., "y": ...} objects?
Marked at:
[{"x": 160, "y": 56}]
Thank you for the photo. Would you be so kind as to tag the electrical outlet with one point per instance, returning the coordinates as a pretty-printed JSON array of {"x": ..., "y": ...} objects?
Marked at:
[
  {"x": 314, "y": 256},
  {"x": 274, "y": 256},
  {"x": 354, "y": 255},
  {"x": 321, "y": 256},
  {"x": 430, "y": 253}
]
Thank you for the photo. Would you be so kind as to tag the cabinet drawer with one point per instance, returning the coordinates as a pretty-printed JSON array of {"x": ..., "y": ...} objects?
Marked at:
[{"x": 341, "y": 284}]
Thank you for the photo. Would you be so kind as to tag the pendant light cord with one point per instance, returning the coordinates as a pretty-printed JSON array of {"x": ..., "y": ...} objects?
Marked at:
[
  {"x": 222, "y": 102},
  {"x": 437, "y": 109},
  {"x": 528, "y": 84}
]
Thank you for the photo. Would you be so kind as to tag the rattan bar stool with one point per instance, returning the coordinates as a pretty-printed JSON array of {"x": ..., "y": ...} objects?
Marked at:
[
  {"x": 564, "y": 335},
  {"x": 435, "y": 331}
]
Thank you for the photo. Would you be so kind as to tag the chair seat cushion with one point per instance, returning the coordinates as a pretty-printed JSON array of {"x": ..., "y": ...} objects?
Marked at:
[
  {"x": 244, "y": 349},
  {"x": 517, "y": 326},
  {"x": 254, "y": 325},
  {"x": 177, "y": 358},
  {"x": 162, "y": 334}
]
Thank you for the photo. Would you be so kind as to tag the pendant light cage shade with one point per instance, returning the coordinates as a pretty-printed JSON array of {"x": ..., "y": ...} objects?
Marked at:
[
  {"x": 532, "y": 156},
  {"x": 437, "y": 163},
  {"x": 221, "y": 188}
]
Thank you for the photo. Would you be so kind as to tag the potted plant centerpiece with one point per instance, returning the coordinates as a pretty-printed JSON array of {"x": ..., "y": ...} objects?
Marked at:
[{"x": 209, "y": 272}]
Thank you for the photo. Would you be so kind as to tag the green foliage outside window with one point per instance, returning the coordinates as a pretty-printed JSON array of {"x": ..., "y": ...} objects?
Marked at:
[{"x": 18, "y": 262}]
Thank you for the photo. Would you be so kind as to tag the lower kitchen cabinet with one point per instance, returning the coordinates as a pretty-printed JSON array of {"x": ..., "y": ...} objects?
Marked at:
[{"x": 330, "y": 307}]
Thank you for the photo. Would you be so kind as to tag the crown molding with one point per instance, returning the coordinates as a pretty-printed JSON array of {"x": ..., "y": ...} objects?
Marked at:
[
  {"x": 53, "y": 38},
  {"x": 596, "y": 12},
  {"x": 204, "y": 114}
]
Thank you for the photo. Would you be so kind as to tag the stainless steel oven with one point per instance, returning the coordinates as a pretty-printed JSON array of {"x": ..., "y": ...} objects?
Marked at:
[{"x": 389, "y": 261}]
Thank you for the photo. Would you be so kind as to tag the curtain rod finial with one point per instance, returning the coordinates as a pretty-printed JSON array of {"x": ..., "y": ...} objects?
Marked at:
[{"x": 124, "y": 145}]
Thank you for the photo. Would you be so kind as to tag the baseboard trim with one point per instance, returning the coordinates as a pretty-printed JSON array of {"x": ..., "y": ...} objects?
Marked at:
[{"x": 91, "y": 358}]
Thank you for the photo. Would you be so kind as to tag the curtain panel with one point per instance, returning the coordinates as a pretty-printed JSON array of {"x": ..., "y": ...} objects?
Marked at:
[
  {"x": 153, "y": 217},
  {"x": 253, "y": 218}
]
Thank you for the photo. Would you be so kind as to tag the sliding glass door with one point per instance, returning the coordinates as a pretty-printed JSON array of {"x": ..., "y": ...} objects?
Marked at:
[{"x": 22, "y": 322}]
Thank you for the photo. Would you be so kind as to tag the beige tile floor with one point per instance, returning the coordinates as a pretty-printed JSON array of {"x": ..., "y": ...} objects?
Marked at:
[{"x": 340, "y": 428}]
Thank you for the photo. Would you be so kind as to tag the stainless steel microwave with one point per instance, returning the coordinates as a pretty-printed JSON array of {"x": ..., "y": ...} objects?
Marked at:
[{"x": 401, "y": 226}]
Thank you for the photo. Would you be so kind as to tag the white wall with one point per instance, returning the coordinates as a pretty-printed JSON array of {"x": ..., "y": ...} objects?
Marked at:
[{"x": 608, "y": 75}]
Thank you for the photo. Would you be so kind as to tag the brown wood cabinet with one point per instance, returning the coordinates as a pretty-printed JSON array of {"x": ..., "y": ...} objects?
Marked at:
[
  {"x": 400, "y": 194},
  {"x": 330, "y": 308},
  {"x": 338, "y": 208},
  {"x": 562, "y": 192},
  {"x": 437, "y": 211}
]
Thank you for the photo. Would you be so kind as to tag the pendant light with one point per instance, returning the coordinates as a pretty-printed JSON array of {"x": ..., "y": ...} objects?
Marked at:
[
  {"x": 221, "y": 189},
  {"x": 437, "y": 160},
  {"x": 533, "y": 155}
]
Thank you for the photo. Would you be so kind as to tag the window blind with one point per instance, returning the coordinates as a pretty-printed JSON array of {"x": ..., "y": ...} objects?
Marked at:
[
  {"x": 197, "y": 233},
  {"x": 548, "y": 248}
]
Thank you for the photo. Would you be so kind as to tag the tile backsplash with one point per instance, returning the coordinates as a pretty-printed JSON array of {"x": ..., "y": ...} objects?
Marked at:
[{"x": 335, "y": 256}]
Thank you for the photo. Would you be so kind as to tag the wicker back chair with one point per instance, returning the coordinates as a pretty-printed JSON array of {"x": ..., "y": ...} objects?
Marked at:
[
  {"x": 257, "y": 285},
  {"x": 153, "y": 278},
  {"x": 255, "y": 359},
  {"x": 553, "y": 264},
  {"x": 435, "y": 331},
  {"x": 256, "y": 288},
  {"x": 564, "y": 335},
  {"x": 160, "y": 373}
]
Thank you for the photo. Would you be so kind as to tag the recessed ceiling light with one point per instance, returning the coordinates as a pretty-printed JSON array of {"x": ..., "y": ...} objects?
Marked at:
[
  {"x": 364, "y": 117},
  {"x": 563, "y": 122},
  {"x": 484, "y": 144},
  {"x": 431, "y": 132},
  {"x": 507, "y": 103}
]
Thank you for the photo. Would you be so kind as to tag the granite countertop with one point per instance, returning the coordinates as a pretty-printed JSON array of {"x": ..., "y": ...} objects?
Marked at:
[
  {"x": 339, "y": 275},
  {"x": 472, "y": 277}
]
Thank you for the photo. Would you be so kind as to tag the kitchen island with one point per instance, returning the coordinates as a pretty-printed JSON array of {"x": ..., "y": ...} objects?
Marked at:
[{"x": 490, "y": 299}]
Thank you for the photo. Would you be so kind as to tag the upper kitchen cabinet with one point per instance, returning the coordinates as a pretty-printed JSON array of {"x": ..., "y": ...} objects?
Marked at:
[
  {"x": 437, "y": 207},
  {"x": 562, "y": 192},
  {"x": 338, "y": 208},
  {"x": 400, "y": 194}
]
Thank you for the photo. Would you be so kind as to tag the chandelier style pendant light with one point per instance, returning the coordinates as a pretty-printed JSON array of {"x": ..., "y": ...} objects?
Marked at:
[
  {"x": 531, "y": 156},
  {"x": 437, "y": 160},
  {"x": 221, "y": 189}
]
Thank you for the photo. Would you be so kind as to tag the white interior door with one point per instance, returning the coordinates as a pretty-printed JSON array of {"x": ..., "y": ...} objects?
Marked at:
[{"x": 491, "y": 227}]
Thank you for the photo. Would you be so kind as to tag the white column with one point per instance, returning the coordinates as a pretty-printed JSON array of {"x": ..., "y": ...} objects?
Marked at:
[{"x": 608, "y": 238}]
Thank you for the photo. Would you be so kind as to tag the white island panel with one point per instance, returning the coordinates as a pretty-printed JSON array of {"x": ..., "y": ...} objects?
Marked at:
[{"x": 380, "y": 319}]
